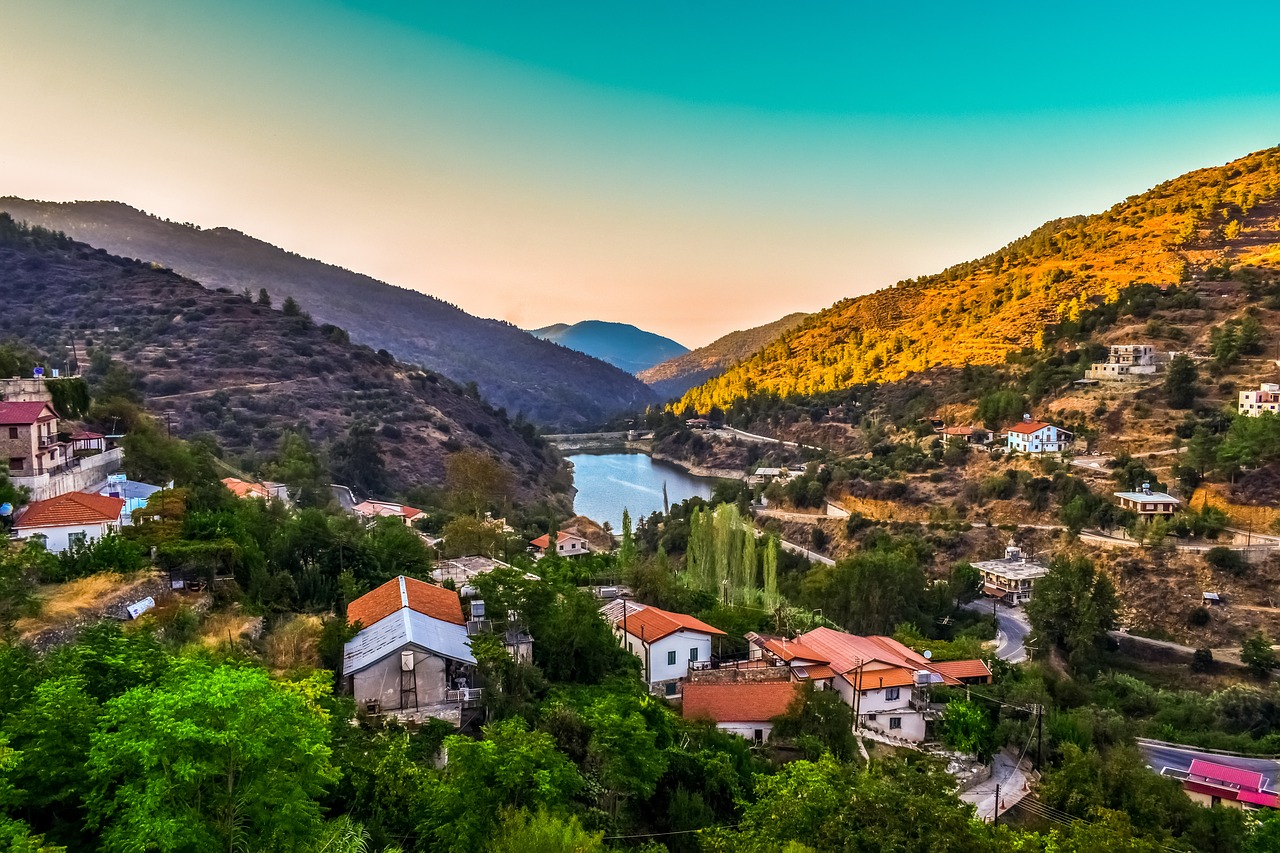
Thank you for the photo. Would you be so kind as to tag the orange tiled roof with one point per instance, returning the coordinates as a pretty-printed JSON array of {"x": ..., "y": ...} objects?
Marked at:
[
  {"x": 963, "y": 669},
  {"x": 880, "y": 658},
  {"x": 738, "y": 703},
  {"x": 427, "y": 599},
  {"x": 652, "y": 624},
  {"x": 561, "y": 536},
  {"x": 71, "y": 509},
  {"x": 1028, "y": 427},
  {"x": 789, "y": 650},
  {"x": 25, "y": 413},
  {"x": 244, "y": 489},
  {"x": 813, "y": 673}
]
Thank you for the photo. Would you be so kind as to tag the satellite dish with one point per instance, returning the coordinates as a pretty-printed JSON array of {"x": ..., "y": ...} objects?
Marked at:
[
  {"x": 928, "y": 655},
  {"x": 6, "y": 510}
]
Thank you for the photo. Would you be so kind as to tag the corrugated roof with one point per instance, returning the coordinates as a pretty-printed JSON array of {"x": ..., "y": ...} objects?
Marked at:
[
  {"x": 1245, "y": 779},
  {"x": 750, "y": 702},
  {"x": 425, "y": 598},
  {"x": 652, "y": 624},
  {"x": 128, "y": 489},
  {"x": 405, "y": 627},
  {"x": 25, "y": 412},
  {"x": 73, "y": 508},
  {"x": 1140, "y": 497},
  {"x": 878, "y": 657}
]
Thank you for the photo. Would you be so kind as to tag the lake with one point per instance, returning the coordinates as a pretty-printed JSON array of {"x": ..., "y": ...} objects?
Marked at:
[{"x": 609, "y": 482}]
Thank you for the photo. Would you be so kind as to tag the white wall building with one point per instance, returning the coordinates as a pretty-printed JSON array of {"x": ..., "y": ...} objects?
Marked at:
[
  {"x": 1265, "y": 399},
  {"x": 1012, "y": 579},
  {"x": 666, "y": 643},
  {"x": 66, "y": 520},
  {"x": 746, "y": 709},
  {"x": 1032, "y": 436}
]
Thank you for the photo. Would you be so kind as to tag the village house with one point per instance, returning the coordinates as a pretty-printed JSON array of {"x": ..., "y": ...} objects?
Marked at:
[
  {"x": 244, "y": 489},
  {"x": 887, "y": 684},
  {"x": 1032, "y": 436},
  {"x": 802, "y": 662},
  {"x": 1125, "y": 362},
  {"x": 1011, "y": 579},
  {"x": 746, "y": 709},
  {"x": 666, "y": 643},
  {"x": 411, "y": 658},
  {"x": 29, "y": 440},
  {"x": 1265, "y": 399},
  {"x": 1149, "y": 504},
  {"x": 1209, "y": 784},
  {"x": 567, "y": 545},
  {"x": 135, "y": 495},
  {"x": 74, "y": 518},
  {"x": 967, "y": 434},
  {"x": 86, "y": 442},
  {"x": 372, "y": 510}
]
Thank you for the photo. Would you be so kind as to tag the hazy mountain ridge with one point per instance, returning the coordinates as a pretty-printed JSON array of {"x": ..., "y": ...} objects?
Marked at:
[
  {"x": 675, "y": 376},
  {"x": 547, "y": 384},
  {"x": 977, "y": 312},
  {"x": 626, "y": 347},
  {"x": 244, "y": 372}
]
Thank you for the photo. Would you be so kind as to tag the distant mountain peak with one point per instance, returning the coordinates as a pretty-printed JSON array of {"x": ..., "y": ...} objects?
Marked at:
[{"x": 624, "y": 346}]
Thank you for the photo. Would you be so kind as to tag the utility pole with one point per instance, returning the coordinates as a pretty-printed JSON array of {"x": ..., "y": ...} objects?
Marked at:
[
  {"x": 995, "y": 811},
  {"x": 1039, "y": 736}
]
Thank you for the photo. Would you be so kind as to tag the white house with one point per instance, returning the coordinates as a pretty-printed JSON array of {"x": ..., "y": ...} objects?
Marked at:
[
  {"x": 1265, "y": 399},
  {"x": 1012, "y": 579},
  {"x": 887, "y": 684},
  {"x": 411, "y": 657},
  {"x": 746, "y": 709},
  {"x": 69, "y": 519},
  {"x": 666, "y": 643},
  {"x": 567, "y": 545},
  {"x": 1149, "y": 504},
  {"x": 1032, "y": 436}
]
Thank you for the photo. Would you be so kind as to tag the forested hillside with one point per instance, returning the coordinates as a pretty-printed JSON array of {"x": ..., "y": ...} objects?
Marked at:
[
  {"x": 247, "y": 373},
  {"x": 978, "y": 312},
  {"x": 621, "y": 344},
  {"x": 547, "y": 384},
  {"x": 673, "y": 377}
]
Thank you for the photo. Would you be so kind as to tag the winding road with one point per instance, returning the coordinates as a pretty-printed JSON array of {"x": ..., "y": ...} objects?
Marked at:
[{"x": 1012, "y": 629}]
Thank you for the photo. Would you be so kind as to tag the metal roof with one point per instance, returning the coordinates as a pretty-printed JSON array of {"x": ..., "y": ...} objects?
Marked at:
[
  {"x": 1148, "y": 497},
  {"x": 402, "y": 628}
]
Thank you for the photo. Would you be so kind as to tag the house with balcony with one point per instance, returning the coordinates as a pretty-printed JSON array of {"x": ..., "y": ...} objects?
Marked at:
[
  {"x": 1147, "y": 503},
  {"x": 1035, "y": 437},
  {"x": 668, "y": 644},
  {"x": 30, "y": 442},
  {"x": 1125, "y": 362},
  {"x": 1265, "y": 399},
  {"x": 412, "y": 657},
  {"x": 1011, "y": 579}
]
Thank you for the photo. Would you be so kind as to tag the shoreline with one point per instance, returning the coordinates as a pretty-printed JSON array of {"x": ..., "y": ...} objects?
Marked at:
[
  {"x": 699, "y": 470},
  {"x": 601, "y": 448}
]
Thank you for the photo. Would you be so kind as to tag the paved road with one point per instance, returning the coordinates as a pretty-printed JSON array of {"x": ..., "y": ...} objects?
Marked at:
[
  {"x": 1012, "y": 629},
  {"x": 1160, "y": 754},
  {"x": 1012, "y": 780},
  {"x": 750, "y": 436}
]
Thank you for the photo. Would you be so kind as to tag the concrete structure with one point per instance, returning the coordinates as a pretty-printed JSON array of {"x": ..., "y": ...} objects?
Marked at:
[
  {"x": 371, "y": 510},
  {"x": 74, "y": 518},
  {"x": 80, "y": 473},
  {"x": 20, "y": 389},
  {"x": 1032, "y": 436},
  {"x": 30, "y": 442},
  {"x": 1012, "y": 579},
  {"x": 1125, "y": 362},
  {"x": 745, "y": 709},
  {"x": 667, "y": 643},
  {"x": 567, "y": 545},
  {"x": 135, "y": 495},
  {"x": 1265, "y": 399},
  {"x": 1149, "y": 504},
  {"x": 411, "y": 657}
]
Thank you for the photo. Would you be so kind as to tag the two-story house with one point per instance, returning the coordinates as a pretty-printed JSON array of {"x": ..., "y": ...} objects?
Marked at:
[
  {"x": 667, "y": 643},
  {"x": 29, "y": 441},
  {"x": 567, "y": 545},
  {"x": 1149, "y": 504},
  {"x": 1012, "y": 579},
  {"x": 1032, "y": 436},
  {"x": 1265, "y": 399}
]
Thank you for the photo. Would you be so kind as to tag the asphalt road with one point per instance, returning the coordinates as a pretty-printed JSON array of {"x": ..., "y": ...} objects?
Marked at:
[
  {"x": 1160, "y": 755},
  {"x": 1011, "y": 630}
]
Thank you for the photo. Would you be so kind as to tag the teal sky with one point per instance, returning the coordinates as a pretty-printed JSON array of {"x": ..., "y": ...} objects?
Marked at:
[{"x": 690, "y": 167}]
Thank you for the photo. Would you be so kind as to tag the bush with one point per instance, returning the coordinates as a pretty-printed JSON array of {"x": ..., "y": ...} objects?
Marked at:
[
  {"x": 1202, "y": 659},
  {"x": 1227, "y": 560}
]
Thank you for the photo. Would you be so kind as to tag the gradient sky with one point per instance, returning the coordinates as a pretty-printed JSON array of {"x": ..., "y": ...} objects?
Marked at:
[{"x": 690, "y": 167}]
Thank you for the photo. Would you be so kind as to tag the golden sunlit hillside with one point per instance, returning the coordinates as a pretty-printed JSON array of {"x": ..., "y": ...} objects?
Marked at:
[{"x": 978, "y": 312}]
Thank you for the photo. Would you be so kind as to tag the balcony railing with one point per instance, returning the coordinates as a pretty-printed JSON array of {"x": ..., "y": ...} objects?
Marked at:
[{"x": 465, "y": 695}]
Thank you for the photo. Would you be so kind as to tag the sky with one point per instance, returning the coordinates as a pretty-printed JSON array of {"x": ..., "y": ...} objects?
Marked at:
[{"x": 688, "y": 167}]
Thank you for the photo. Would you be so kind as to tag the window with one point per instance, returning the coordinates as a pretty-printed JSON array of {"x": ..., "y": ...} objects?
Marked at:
[
  {"x": 17, "y": 463},
  {"x": 671, "y": 688},
  {"x": 895, "y": 722},
  {"x": 871, "y": 718},
  {"x": 891, "y": 694},
  {"x": 671, "y": 658},
  {"x": 759, "y": 735},
  {"x": 13, "y": 432},
  {"x": 78, "y": 538},
  {"x": 693, "y": 654}
]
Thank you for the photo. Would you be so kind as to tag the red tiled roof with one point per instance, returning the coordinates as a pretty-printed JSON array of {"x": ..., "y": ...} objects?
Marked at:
[
  {"x": 70, "y": 509},
  {"x": 85, "y": 435},
  {"x": 1028, "y": 427},
  {"x": 427, "y": 599},
  {"x": 561, "y": 536},
  {"x": 1230, "y": 775},
  {"x": 651, "y": 624},
  {"x": 962, "y": 668},
  {"x": 878, "y": 657},
  {"x": 244, "y": 489},
  {"x": 789, "y": 650},
  {"x": 749, "y": 702},
  {"x": 958, "y": 431},
  {"x": 25, "y": 413},
  {"x": 815, "y": 672},
  {"x": 873, "y": 678},
  {"x": 380, "y": 508}
]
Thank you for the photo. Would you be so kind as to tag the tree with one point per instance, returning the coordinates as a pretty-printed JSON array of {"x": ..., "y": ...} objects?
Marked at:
[
  {"x": 627, "y": 549},
  {"x": 821, "y": 718},
  {"x": 967, "y": 727},
  {"x": 467, "y": 535},
  {"x": 543, "y": 832},
  {"x": 215, "y": 758},
  {"x": 297, "y": 465},
  {"x": 1257, "y": 654},
  {"x": 1073, "y": 609},
  {"x": 290, "y": 307},
  {"x": 1180, "y": 382},
  {"x": 475, "y": 481},
  {"x": 264, "y": 298},
  {"x": 356, "y": 461}
]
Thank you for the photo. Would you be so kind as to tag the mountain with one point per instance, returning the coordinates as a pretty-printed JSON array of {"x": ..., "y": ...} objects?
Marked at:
[
  {"x": 622, "y": 345},
  {"x": 979, "y": 312},
  {"x": 547, "y": 384},
  {"x": 245, "y": 373},
  {"x": 674, "y": 376}
]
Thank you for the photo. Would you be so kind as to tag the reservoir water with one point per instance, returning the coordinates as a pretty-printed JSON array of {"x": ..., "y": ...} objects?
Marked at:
[{"x": 609, "y": 482}]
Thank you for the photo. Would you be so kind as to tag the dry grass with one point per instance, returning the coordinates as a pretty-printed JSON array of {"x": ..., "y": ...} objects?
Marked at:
[
  {"x": 61, "y": 603},
  {"x": 294, "y": 644},
  {"x": 226, "y": 627}
]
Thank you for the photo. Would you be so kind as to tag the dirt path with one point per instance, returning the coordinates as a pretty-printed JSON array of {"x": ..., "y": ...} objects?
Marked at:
[{"x": 252, "y": 386}]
